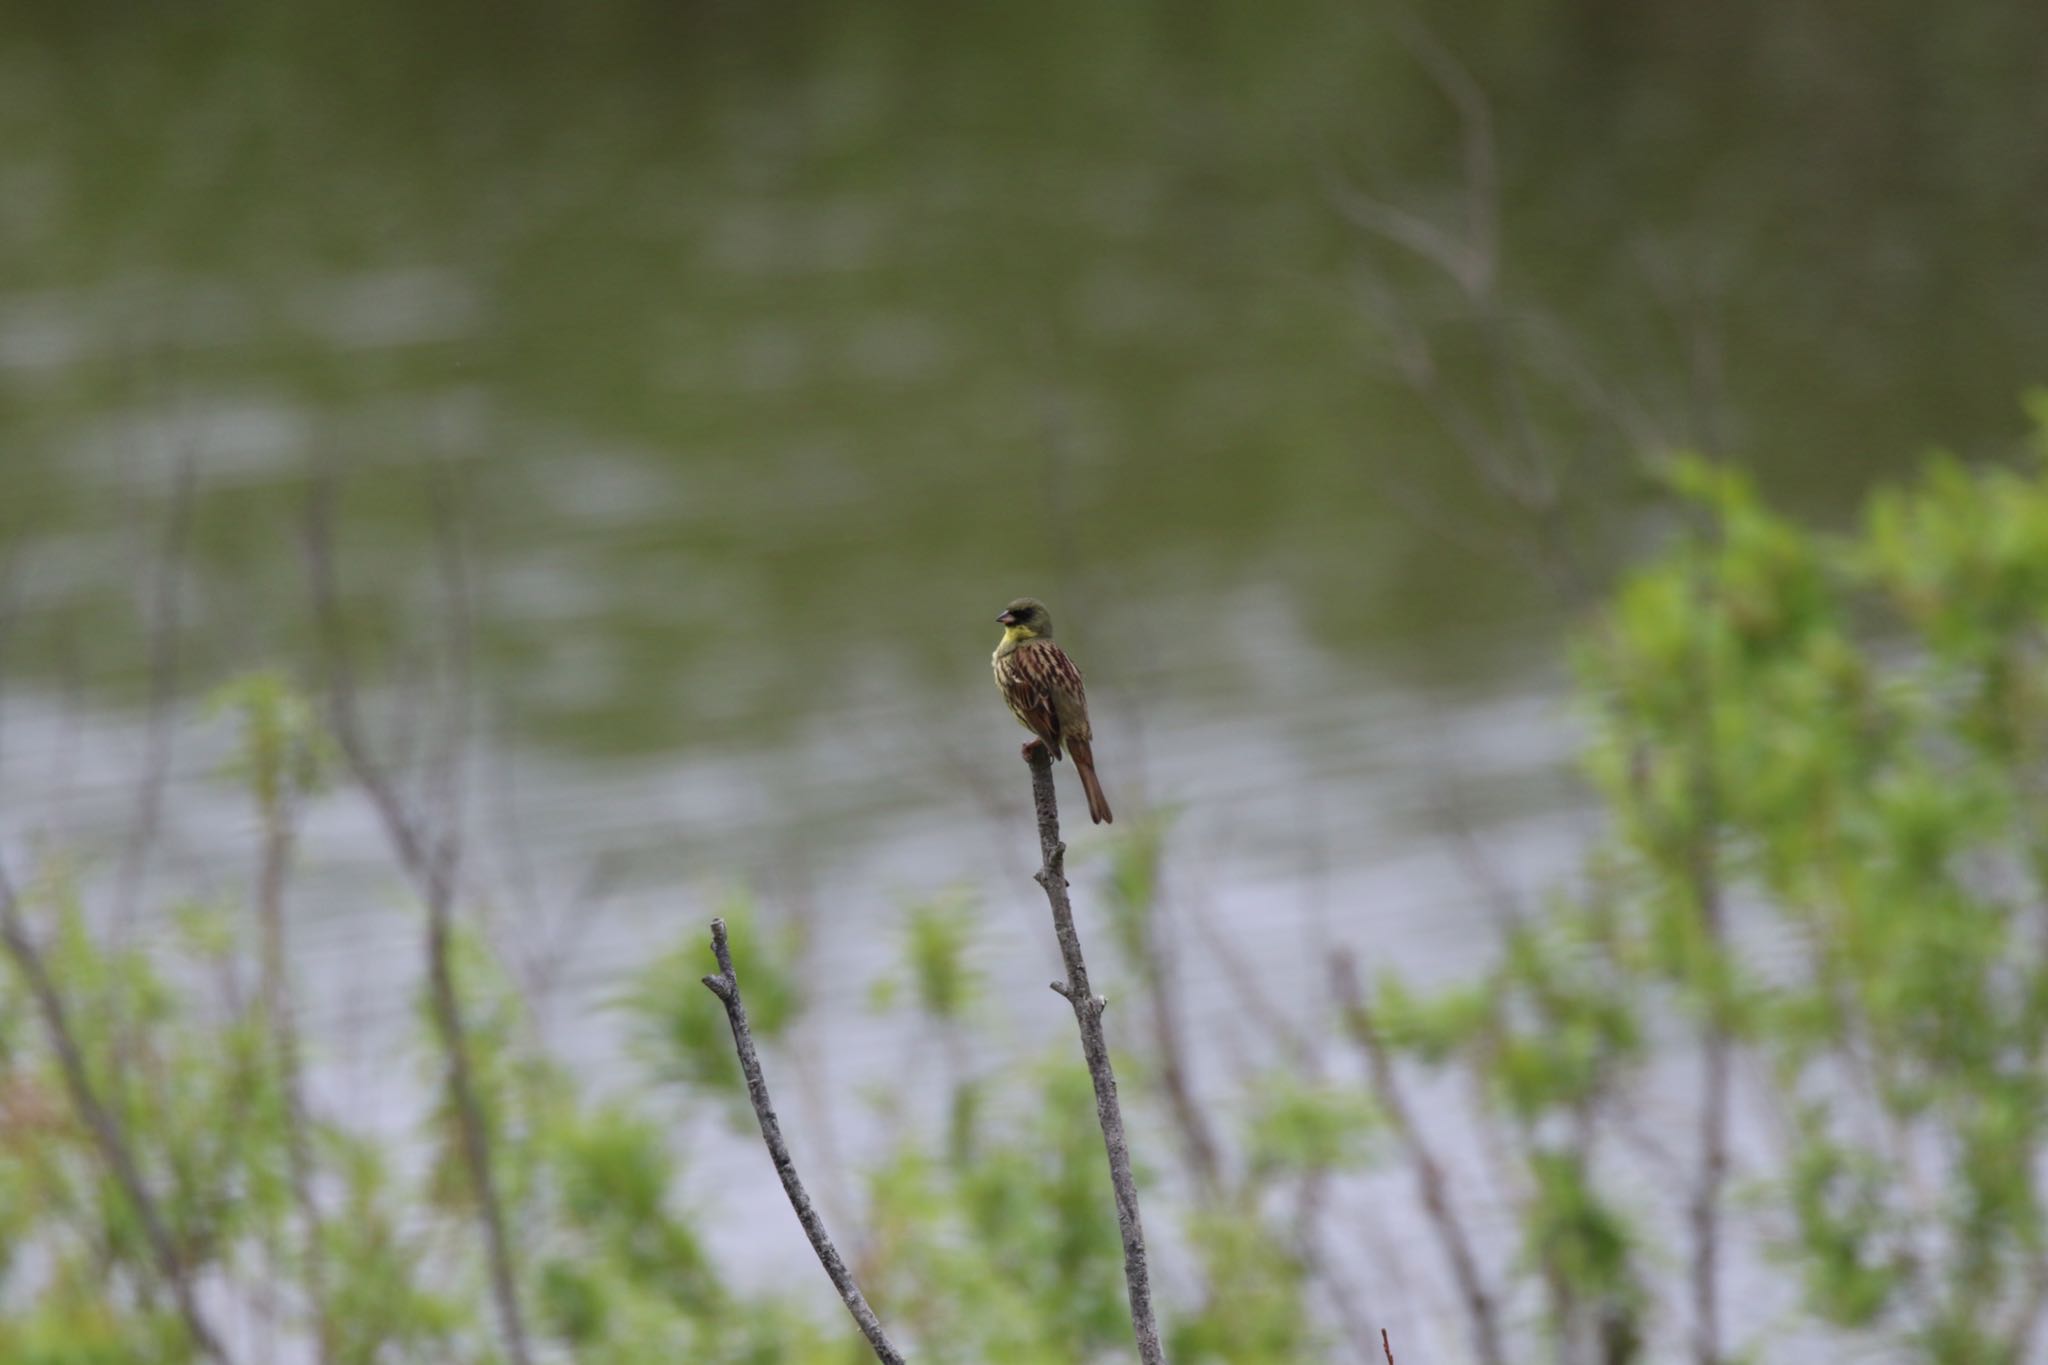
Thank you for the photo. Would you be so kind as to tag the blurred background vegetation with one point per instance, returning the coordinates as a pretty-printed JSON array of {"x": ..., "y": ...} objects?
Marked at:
[{"x": 688, "y": 385}]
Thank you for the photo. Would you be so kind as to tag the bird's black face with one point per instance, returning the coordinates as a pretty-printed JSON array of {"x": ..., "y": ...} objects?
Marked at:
[{"x": 1025, "y": 615}]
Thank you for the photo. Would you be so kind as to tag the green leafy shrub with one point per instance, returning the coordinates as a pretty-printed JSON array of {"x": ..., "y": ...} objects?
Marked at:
[{"x": 1824, "y": 764}]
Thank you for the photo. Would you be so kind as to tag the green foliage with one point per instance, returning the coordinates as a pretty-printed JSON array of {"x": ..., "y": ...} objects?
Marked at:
[
  {"x": 382, "y": 1298},
  {"x": 1434, "y": 1028},
  {"x": 1821, "y": 757},
  {"x": 937, "y": 934},
  {"x": 1843, "y": 736},
  {"x": 285, "y": 752},
  {"x": 1255, "y": 1311},
  {"x": 1131, "y": 891},
  {"x": 999, "y": 1245},
  {"x": 1298, "y": 1128},
  {"x": 1846, "y": 1243},
  {"x": 1575, "y": 1235},
  {"x": 1008, "y": 1249},
  {"x": 195, "y": 1098}
]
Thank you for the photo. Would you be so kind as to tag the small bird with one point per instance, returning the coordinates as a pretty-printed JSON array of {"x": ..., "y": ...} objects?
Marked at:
[{"x": 1044, "y": 691}]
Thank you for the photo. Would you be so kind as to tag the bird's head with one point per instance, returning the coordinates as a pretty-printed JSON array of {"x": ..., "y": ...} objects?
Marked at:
[{"x": 1026, "y": 619}]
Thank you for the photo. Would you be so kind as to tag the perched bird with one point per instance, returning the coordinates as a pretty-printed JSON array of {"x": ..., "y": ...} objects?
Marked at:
[{"x": 1043, "y": 689}]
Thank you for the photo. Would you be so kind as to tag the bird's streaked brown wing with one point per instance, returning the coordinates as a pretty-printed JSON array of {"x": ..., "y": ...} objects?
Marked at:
[{"x": 1043, "y": 689}]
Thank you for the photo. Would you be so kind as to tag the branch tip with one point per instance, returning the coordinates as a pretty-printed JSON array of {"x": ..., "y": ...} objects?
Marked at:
[{"x": 726, "y": 986}]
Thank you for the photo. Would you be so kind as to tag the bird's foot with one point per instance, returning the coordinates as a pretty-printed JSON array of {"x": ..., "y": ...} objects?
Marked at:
[{"x": 1031, "y": 749}]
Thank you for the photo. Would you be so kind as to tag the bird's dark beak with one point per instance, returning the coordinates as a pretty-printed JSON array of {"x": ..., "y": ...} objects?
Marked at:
[{"x": 1008, "y": 618}]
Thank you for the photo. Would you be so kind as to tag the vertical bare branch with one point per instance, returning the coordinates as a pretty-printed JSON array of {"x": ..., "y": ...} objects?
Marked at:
[
  {"x": 446, "y": 791},
  {"x": 1156, "y": 967},
  {"x": 1703, "y": 874},
  {"x": 432, "y": 863},
  {"x": 726, "y": 986},
  {"x": 1705, "y": 1211},
  {"x": 272, "y": 876},
  {"x": 163, "y": 625},
  {"x": 1429, "y": 1176},
  {"x": 1180, "y": 1091},
  {"x": 1088, "y": 1008},
  {"x": 1312, "y": 1205},
  {"x": 108, "y": 1136}
]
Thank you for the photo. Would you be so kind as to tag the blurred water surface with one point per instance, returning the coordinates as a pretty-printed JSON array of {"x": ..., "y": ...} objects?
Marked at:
[{"x": 754, "y": 356}]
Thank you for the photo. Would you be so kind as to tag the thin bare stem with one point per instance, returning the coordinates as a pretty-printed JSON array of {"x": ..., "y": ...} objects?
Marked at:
[
  {"x": 1387, "y": 1346},
  {"x": 164, "y": 638},
  {"x": 1703, "y": 874},
  {"x": 2027, "y": 1318},
  {"x": 1088, "y": 1008},
  {"x": 1257, "y": 1006},
  {"x": 1429, "y": 1176},
  {"x": 726, "y": 986},
  {"x": 1312, "y": 1204},
  {"x": 1705, "y": 1212},
  {"x": 108, "y": 1136},
  {"x": 1518, "y": 464},
  {"x": 431, "y": 862},
  {"x": 279, "y": 837},
  {"x": 1156, "y": 968}
]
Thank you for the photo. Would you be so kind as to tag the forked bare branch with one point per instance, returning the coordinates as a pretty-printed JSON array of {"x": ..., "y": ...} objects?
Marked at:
[
  {"x": 431, "y": 860},
  {"x": 109, "y": 1138},
  {"x": 726, "y": 986}
]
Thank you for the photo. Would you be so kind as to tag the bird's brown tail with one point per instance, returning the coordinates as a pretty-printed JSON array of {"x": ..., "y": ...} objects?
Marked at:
[{"x": 1084, "y": 764}]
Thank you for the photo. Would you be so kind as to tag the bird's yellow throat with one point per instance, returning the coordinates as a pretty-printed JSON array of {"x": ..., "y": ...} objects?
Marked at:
[{"x": 1014, "y": 634}]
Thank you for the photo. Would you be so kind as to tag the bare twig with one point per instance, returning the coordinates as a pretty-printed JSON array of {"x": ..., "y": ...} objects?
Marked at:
[
  {"x": 2027, "y": 1318},
  {"x": 1518, "y": 464},
  {"x": 726, "y": 986},
  {"x": 1705, "y": 1212},
  {"x": 1312, "y": 1204},
  {"x": 1429, "y": 1176},
  {"x": 1387, "y": 1346},
  {"x": 164, "y": 637},
  {"x": 445, "y": 767},
  {"x": 1693, "y": 306},
  {"x": 107, "y": 1133},
  {"x": 1157, "y": 970},
  {"x": 1088, "y": 1008},
  {"x": 1250, "y": 997},
  {"x": 1702, "y": 872},
  {"x": 431, "y": 861},
  {"x": 273, "y": 876}
]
